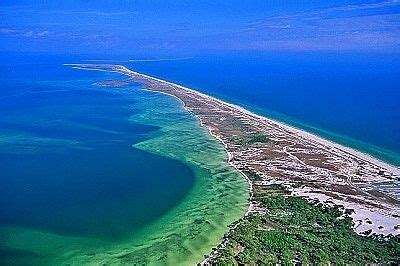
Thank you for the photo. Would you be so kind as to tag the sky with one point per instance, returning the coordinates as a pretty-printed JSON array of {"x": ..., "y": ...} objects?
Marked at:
[{"x": 188, "y": 27}]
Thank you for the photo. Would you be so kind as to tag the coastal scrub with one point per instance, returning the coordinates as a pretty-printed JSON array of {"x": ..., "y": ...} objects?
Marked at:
[{"x": 296, "y": 230}]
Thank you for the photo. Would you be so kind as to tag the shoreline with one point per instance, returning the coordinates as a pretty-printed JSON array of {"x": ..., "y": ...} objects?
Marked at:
[{"x": 229, "y": 155}]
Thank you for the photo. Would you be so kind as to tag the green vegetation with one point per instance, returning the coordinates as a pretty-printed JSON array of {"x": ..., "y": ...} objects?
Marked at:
[
  {"x": 258, "y": 139},
  {"x": 294, "y": 230},
  {"x": 249, "y": 140}
]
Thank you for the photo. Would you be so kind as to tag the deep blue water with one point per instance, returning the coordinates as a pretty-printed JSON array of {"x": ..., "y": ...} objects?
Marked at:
[
  {"x": 353, "y": 99},
  {"x": 67, "y": 165}
]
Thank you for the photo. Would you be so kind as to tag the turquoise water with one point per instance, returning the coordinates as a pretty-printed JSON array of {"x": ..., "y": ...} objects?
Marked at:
[
  {"x": 94, "y": 174},
  {"x": 47, "y": 125},
  {"x": 352, "y": 99}
]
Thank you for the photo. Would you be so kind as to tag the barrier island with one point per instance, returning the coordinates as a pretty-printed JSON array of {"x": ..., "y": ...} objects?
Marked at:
[{"x": 311, "y": 200}]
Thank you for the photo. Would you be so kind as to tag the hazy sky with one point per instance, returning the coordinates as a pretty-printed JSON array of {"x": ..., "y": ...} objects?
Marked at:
[{"x": 185, "y": 27}]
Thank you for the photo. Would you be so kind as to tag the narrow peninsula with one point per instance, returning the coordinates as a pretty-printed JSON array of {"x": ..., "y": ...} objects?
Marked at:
[{"x": 311, "y": 200}]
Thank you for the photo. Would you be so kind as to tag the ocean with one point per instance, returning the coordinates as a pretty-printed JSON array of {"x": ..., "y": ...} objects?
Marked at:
[{"x": 102, "y": 174}]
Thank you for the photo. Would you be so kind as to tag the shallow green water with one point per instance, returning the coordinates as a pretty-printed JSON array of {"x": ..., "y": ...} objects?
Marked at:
[{"x": 218, "y": 198}]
